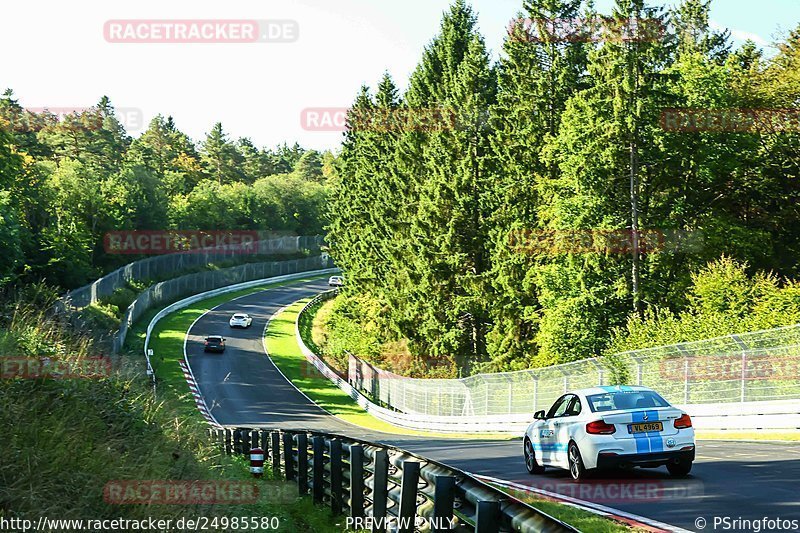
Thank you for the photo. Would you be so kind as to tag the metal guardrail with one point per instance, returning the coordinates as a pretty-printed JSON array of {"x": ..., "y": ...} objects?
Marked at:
[
  {"x": 365, "y": 479},
  {"x": 169, "y": 264},
  {"x": 752, "y": 389}
]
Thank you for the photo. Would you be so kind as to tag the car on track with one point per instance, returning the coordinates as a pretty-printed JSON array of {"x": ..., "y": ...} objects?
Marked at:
[
  {"x": 241, "y": 320},
  {"x": 610, "y": 427},
  {"x": 214, "y": 343},
  {"x": 336, "y": 281}
]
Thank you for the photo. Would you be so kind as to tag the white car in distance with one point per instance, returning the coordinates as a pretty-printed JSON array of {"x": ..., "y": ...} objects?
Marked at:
[
  {"x": 336, "y": 281},
  {"x": 241, "y": 320},
  {"x": 608, "y": 427}
]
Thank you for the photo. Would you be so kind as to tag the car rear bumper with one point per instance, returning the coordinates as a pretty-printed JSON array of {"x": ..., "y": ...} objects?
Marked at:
[{"x": 609, "y": 460}]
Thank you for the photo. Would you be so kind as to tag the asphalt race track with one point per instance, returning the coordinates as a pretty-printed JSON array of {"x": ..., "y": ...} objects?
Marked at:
[{"x": 729, "y": 479}]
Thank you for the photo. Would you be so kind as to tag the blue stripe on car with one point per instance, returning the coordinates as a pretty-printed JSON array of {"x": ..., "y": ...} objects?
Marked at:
[
  {"x": 554, "y": 447},
  {"x": 642, "y": 442},
  {"x": 656, "y": 441}
]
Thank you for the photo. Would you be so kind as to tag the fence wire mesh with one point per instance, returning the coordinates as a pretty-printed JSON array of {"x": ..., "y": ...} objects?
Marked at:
[
  {"x": 167, "y": 265},
  {"x": 756, "y": 366},
  {"x": 173, "y": 289}
]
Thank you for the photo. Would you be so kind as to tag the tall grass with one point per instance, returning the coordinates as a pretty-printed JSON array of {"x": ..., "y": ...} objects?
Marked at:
[{"x": 62, "y": 440}]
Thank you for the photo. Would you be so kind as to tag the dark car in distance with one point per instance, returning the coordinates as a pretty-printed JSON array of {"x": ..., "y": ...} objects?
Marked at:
[{"x": 214, "y": 343}]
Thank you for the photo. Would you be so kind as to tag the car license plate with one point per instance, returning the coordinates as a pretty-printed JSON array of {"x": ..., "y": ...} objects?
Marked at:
[{"x": 645, "y": 427}]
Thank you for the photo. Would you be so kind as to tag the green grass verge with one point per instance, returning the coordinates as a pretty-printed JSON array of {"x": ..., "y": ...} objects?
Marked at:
[
  {"x": 577, "y": 518},
  {"x": 286, "y": 354},
  {"x": 65, "y": 439}
]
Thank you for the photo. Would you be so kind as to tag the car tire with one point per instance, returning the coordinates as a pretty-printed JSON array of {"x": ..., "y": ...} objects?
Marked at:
[
  {"x": 577, "y": 470},
  {"x": 531, "y": 464},
  {"x": 679, "y": 469}
]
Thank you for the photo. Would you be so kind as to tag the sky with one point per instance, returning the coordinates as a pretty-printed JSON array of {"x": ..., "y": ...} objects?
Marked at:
[{"x": 57, "y": 55}]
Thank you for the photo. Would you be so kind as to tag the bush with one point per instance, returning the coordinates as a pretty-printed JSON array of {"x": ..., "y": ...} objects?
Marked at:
[
  {"x": 121, "y": 299},
  {"x": 723, "y": 300},
  {"x": 354, "y": 323}
]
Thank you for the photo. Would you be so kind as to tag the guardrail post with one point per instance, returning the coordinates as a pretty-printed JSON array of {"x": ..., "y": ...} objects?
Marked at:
[
  {"x": 220, "y": 438},
  {"x": 318, "y": 469},
  {"x": 288, "y": 456},
  {"x": 443, "y": 499},
  {"x": 408, "y": 497},
  {"x": 265, "y": 442},
  {"x": 228, "y": 441},
  {"x": 254, "y": 440},
  {"x": 336, "y": 476},
  {"x": 276, "y": 453},
  {"x": 380, "y": 488},
  {"x": 302, "y": 463},
  {"x": 356, "y": 480},
  {"x": 245, "y": 437},
  {"x": 237, "y": 441},
  {"x": 486, "y": 517}
]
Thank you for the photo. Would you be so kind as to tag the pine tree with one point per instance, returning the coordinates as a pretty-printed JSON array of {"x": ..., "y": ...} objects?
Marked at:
[
  {"x": 309, "y": 167},
  {"x": 606, "y": 151},
  {"x": 539, "y": 71},
  {"x": 219, "y": 156}
]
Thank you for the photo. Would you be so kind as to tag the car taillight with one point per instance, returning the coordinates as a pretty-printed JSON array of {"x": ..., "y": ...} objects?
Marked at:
[
  {"x": 685, "y": 421},
  {"x": 600, "y": 428}
]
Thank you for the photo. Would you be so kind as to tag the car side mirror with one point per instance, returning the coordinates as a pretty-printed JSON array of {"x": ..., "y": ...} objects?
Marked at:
[{"x": 539, "y": 415}]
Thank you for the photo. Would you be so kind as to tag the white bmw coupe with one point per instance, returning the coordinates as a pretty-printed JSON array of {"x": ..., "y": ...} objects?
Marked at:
[{"x": 607, "y": 427}]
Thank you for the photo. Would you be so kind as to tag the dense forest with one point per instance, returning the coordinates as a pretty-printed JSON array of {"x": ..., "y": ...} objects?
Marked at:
[
  {"x": 461, "y": 209},
  {"x": 65, "y": 181}
]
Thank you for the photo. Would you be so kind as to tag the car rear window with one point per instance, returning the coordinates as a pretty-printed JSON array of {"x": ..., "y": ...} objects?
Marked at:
[
  {"x": 215, "y": 339},
  {"x": 612, "y": 401}
]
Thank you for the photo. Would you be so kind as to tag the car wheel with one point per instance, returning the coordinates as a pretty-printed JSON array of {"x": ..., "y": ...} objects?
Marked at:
[
  {"x": 679, "y": 469},
  {"x": 530, "y": 459},
  {"x": 576, "y": 468}
]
